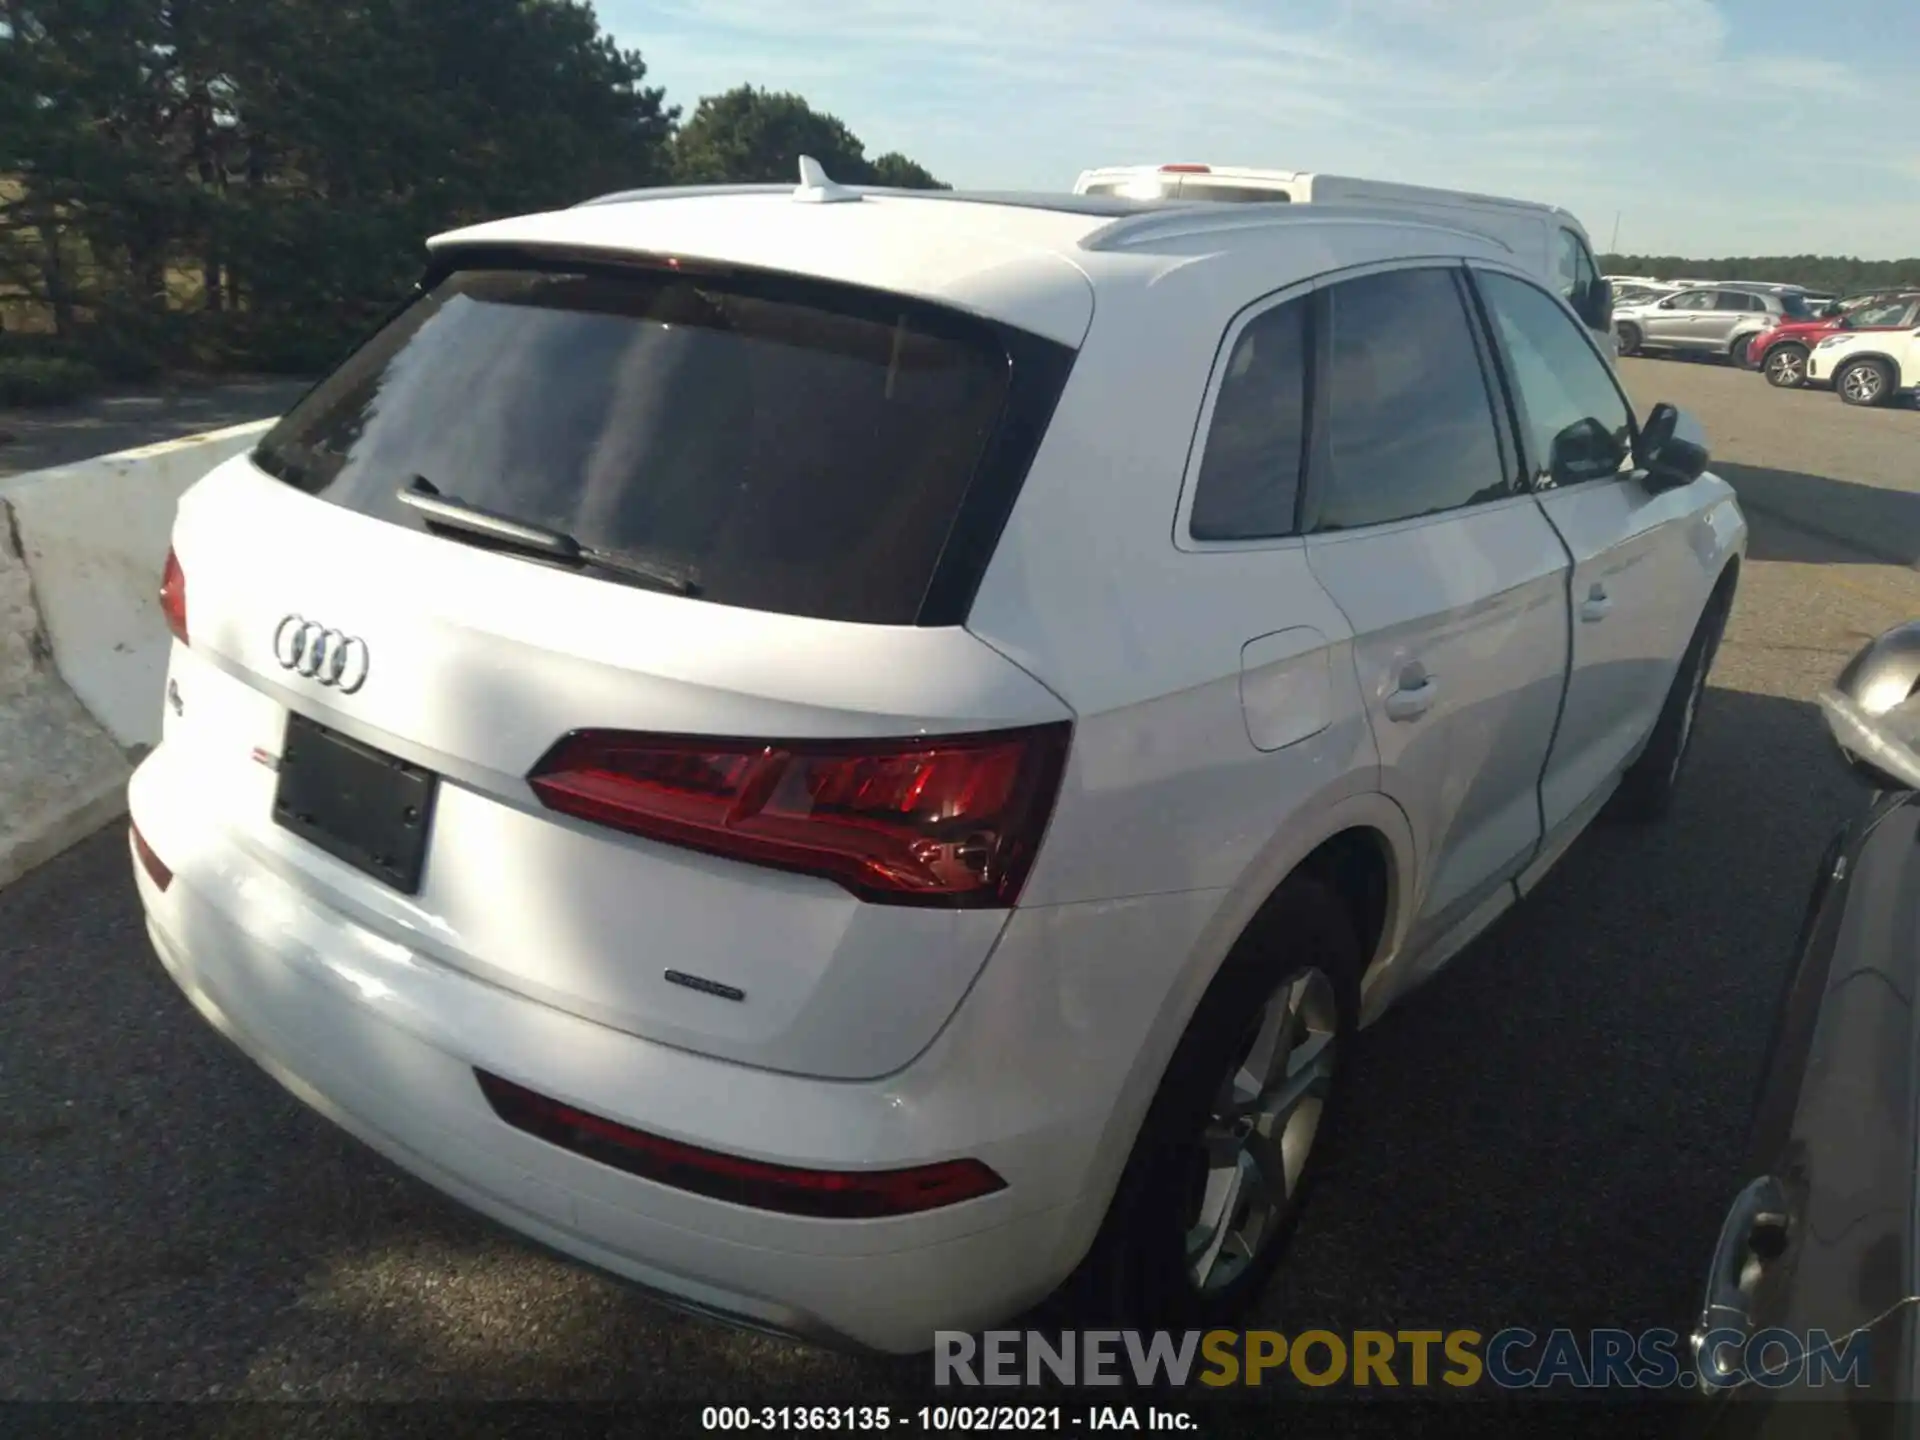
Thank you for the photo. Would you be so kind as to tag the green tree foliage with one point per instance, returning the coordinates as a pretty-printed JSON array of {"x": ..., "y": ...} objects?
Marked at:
[
  {"x": 749, "y": 134},
  {"x": 247, "y": 183},
  {"x": 1840, "y": 274}
]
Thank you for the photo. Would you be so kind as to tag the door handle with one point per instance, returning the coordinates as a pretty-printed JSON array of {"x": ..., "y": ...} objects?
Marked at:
[
  {"x": 1755, "y": 1231},
  {"x": 1597, "y": 606},
  {"x": 1414, "y": 697}
]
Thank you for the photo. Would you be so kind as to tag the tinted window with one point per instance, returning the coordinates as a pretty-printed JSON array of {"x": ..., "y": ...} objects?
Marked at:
[
  {"x": 1561, "y": 382},
  {"x": 796, "y": 447},
  {"x": 1795, "y": 307},
  {"x": 1409, "y": 428},
  {"x": 1250, "y": 468},
  {"x": 1191, "y": 189},
  {"x": 1577, "y": 272}
]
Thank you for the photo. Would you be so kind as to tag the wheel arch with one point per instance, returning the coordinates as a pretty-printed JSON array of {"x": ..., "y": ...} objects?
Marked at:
[
  {"x": 1893, "y": 366},
  {"x": 1364, "y": 838}
]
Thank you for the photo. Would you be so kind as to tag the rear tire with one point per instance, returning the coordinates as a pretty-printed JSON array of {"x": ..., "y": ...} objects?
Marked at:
[
  {"x": 1647, "y": 789},
  {"x": 1629, "y": 337},
  {"x": 1864, "y": 382},
  {"x": 1786, "y": 367},
  {"x": 1194, "y": 1232},
  {"x": 1737, "y": 352}
]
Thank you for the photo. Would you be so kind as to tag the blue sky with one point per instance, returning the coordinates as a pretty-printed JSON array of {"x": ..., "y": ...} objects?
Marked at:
[{"x": 1710, "y": 127}]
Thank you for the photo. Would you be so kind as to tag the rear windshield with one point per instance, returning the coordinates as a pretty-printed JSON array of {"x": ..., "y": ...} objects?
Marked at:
[{"x": 782, "y": 444}]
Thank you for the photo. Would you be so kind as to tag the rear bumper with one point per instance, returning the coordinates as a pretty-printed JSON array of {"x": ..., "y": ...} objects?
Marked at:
[{"x": 384, "y": 1041}]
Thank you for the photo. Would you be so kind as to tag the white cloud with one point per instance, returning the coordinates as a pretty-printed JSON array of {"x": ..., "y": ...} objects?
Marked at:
[{"x": 1641, "y": 107}]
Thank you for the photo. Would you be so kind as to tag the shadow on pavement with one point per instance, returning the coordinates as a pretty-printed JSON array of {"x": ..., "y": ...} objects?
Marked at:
[{"x": 1882, "y": 523}]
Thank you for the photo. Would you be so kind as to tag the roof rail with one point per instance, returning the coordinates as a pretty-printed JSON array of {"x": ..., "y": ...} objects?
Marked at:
[
  {"x": 1215, "y": 219},
  {"x": 677, "y": 192}
]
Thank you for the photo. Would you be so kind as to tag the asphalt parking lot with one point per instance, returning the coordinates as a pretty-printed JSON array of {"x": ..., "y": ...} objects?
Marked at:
[
  {"x": 135, "y": 415},
  {"x": 1546, "y": 1136}
]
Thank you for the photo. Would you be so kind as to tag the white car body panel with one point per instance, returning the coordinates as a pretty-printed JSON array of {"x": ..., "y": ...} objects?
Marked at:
[
  {"x": 1474, "y": 605},
  {"x": 476, "y": 675},
  {"x": 1018, "y": 267},
  {"x": 1632, "y": 552},
  {"x": 1899, "y": 348},
  {"x": 1232, "y": 708}
]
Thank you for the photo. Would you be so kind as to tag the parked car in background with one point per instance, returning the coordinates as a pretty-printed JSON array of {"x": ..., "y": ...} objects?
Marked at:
[
  {"x": 1712, "y": 320},
  {"x": 1639, "y": 292},
  {"x": 1848, "y": 304},
  {"x": 1870, "y": 367},
  {"x": 1544, "y": 239},
  {"x": 1819, "y": 1236},
  {"x": 1781, "y": 353},
  {"x": 953, "y": 856}
]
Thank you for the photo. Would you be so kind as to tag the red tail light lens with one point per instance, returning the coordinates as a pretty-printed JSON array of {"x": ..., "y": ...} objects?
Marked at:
[
  {"x": 826, "y": 1194},
  {"x": 1186, "y": 169},
  {"x": 173, "y": 597},
  {"x": 156, "y": 870},
  {"x": 936, "y": 820}
]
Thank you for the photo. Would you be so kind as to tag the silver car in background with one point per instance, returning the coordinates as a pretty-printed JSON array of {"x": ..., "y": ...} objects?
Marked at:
[{"x": 1719, "y": 319}]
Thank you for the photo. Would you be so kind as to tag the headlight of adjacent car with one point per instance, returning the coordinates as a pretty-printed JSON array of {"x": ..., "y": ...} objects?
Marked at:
[{"x": 1832, "y": 340}]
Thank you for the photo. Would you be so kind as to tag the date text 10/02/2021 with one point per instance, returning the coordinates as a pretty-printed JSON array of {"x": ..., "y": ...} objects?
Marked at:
[{"x": 927, "y": 1418}]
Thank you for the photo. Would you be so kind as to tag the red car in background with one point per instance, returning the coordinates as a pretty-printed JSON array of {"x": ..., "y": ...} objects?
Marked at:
[{"x": 1781, "y": 353}]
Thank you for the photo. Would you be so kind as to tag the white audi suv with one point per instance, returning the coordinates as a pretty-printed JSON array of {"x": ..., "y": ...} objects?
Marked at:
[{"x": 857, "y": 757}]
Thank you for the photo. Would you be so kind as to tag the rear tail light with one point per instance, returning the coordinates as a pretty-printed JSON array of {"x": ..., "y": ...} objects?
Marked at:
[
  {"x": 936, "y": 820},
  {"x": 825, "y": 1194},
  {"x": 1186, "y": 169},
  {"x": 173, "y": 597},
  {"x": 156, "y": 870}
]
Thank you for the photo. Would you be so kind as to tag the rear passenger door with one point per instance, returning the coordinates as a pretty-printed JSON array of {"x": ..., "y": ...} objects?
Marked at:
[
  {"x": 1635, "y": 582},
  {"x": 1419, "y": 527},
  {"x": 1713, "y": 328},
  {"x": 1674, "y": 322}
]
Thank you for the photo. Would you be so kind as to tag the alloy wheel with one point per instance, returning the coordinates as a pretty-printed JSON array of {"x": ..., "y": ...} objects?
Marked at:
[
  {"x": 1861, "y": 383},
  {"x": 1786, "y": 368},
  {"x": 1253, "y": 1148}
]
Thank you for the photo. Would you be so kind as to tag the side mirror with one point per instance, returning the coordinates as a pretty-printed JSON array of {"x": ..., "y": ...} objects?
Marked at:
[
  {"x": 1671, "y": 450},
  {"x": 1667, "y": 304},
  {"x": 1873, "y": 713},
  {"x": 1585, "y": 450},
  {"x": 1599, "y": 303}
]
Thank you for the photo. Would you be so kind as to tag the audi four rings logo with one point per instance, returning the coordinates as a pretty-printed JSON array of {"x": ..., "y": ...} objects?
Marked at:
[{"x": 332, "y": 657}]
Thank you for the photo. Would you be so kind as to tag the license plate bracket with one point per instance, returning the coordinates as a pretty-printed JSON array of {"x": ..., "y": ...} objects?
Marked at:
[{"x": 361, "y": 805}]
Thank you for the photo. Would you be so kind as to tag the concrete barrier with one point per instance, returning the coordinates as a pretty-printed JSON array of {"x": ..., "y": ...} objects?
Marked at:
[{"x": 83, "y": 647}]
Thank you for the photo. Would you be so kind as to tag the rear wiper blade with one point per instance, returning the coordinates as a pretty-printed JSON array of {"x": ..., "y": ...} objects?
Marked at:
[{"x": 451, "y": 513}]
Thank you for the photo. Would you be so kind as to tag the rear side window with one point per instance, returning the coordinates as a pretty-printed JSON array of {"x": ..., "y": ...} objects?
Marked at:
[
  {"x": 1580, "y": 281},
  {"x": 1191, "y": 189},
  {"x": 1410, "y": 430},
  {"x": 1250, "y": 469},
  {"x": 787, "y": 445}
]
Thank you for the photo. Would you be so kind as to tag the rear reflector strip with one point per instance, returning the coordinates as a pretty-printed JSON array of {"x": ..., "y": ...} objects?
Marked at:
[
  {"x": 157, "y": 872},
  {"x": 825, "y": 1194}
]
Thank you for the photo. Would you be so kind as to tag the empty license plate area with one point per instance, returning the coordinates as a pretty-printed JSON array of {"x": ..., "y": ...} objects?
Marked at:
[{"x": 360, "y": 805}]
